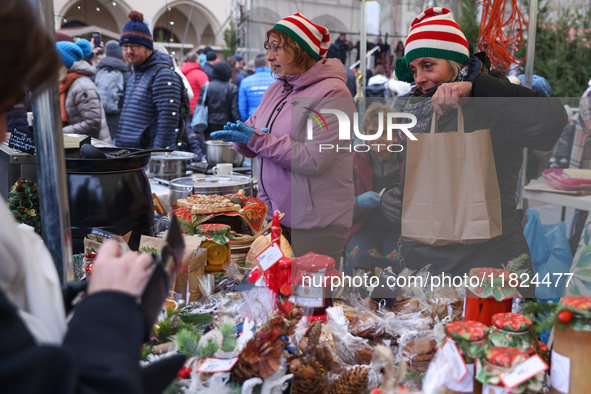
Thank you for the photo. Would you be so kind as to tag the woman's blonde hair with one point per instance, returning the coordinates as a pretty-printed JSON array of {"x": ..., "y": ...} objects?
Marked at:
[
  {"x": 456, "y": 67},
  {"x": 302, "y": 60}
]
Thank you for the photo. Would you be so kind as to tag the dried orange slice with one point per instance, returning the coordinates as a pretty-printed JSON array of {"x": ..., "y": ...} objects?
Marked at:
[{"x": 216, "y": 254}]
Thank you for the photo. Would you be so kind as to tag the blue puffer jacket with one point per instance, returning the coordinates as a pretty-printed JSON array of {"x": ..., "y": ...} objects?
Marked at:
[
  {"x": 252, "y": 89},
  {"x": 150, "y": 117}
]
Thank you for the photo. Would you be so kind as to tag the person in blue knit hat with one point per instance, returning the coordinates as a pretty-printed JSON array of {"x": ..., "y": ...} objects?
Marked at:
[
  {"x": 82, "y": 111},
  {"x": 150, "y": 117}
]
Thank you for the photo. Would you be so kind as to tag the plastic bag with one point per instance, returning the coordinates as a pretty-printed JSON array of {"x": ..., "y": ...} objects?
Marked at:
[{"x": 550, "y": 254}]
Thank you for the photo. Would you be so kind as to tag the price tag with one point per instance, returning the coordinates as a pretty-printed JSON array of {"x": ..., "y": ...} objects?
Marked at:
[
  {"x": 454, "y": 358},
  {"x": 212, "y": 365},
  {"x": 560, "y": 372},
  {"x": 524, "y": 371},
  {"x": 23, "y": 140},
  {"x": 269, "y": 257}
]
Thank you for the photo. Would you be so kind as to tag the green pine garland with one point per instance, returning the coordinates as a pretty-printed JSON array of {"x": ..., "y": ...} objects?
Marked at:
[{"x": 545, "y": 315}]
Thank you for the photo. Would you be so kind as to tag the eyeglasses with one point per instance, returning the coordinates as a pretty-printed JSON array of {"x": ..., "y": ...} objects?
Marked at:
[
  {"x": 273, "y": 47},
  {"x": 130, "y": 47}
]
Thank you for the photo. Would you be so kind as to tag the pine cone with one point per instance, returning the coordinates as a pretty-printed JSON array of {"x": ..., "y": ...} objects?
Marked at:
[
  {"x": 313, "y": 335},
  {"x": 308, "y": 377},
  {"x": 353, "y": 381},
  {"x": 258, "y": 359}
]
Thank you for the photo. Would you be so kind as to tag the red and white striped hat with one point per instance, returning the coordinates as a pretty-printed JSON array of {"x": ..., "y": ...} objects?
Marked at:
[
  {"x": 434, "y": 33},
  {"x": 314, "y": 38}
]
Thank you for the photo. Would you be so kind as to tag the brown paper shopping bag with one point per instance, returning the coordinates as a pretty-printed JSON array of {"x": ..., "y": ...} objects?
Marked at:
[{"x": 451, "y": 192}]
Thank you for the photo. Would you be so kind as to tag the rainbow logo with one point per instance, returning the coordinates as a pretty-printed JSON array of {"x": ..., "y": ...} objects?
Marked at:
[{"x": 316, "y": 115}]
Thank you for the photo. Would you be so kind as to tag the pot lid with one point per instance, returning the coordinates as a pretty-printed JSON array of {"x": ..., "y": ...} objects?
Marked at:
[
  {"x": 76, "y": 164},
  {"x": 176, "y": 155},
  {"x": 469, "y": 330},
  {"x": 513, "y": 322}
]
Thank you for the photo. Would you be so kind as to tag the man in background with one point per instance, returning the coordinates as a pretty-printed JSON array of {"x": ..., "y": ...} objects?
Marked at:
[
  {"x": 253, "y": 87},
  {"x": 151, "y": 110}
]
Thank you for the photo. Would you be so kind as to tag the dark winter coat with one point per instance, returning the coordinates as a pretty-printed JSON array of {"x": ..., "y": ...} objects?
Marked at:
[
  {"x": 222, "y": 96},
  {"x": 150, "y": 116}
]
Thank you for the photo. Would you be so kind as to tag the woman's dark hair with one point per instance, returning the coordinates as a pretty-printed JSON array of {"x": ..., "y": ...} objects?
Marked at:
[
  {"x": 302, "y": 60},
  {"x": 29, "y": 61}
]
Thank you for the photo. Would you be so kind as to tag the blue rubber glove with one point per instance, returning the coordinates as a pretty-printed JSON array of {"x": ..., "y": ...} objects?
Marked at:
[
  {"x": 368, "y": 200},
  {"x": 235, "y": 132}
]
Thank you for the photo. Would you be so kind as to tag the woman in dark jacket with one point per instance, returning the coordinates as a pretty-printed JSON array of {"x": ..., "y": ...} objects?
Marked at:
[
  {"x": 446, "y": 75},
  {"x": 221, "y": 99}
]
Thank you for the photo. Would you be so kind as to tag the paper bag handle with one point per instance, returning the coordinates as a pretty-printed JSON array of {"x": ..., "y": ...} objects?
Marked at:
[{"x": 460, "y": 121}]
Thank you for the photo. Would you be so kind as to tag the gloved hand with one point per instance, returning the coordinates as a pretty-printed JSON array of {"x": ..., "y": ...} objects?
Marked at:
[
  {"x": 235, "y": 132},
  {"x": 368, "y": 200},
  {"x": 391, "y": 203}
]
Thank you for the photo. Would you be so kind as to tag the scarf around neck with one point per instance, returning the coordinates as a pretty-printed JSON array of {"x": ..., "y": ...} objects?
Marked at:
[
  {"x": 419, "y": 104},
  {"x": 64, "y": 86}
]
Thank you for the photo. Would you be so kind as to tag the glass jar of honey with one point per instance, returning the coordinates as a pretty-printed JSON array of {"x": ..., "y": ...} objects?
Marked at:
[
  {"x": 217, "y": 243},
  {"x": 569, "y": 371}
]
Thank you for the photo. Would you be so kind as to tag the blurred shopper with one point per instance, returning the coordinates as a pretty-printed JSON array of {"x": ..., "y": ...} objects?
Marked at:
[
  {"x": 253, "y": 88},
  {"x": 82, "y": 111},
  {"x": 222, "y": 99},
  {"x": 207, "y": 67},
  {"x": 333, "y": 53},
  {"x": 372, "y": 241},
  {"x": 236, "y": 77},
  {"x": 111, "y": 79},
  {"x": 196, "y": 77}
]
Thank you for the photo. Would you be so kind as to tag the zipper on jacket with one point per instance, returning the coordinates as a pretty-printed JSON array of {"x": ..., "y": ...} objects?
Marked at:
[{"x": 278, "y": 107}]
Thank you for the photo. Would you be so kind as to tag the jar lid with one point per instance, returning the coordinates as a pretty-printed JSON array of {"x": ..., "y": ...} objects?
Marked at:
[
  {"x": 468, "y": 330},
  {"x": 505, "y": 357},
  {"x": 513, "y": 322},
  {"x": 216, "y": 232},
  {"x": 212, "y": 229},
  {"x": 313, "y": 262},
  {"x": 582, "y": 303}
]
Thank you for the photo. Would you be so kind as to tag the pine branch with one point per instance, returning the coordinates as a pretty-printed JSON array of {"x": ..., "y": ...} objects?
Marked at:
[
  {"x": 230, "y": 337},
  {"x": 188, "y": 342},
  {"x": 208, "y": 349}
]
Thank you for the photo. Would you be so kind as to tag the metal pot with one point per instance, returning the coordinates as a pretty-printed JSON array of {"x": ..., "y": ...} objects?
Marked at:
[
  {"x": 112, "y": 194},
  {"x": 171, "y": 165},
  {"x": 208, "y": 185},
  {"x": 222, "y": 152}
]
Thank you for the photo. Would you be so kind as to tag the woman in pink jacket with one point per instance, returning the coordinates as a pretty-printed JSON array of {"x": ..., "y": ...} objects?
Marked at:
[{"x": 304, "y": 153}]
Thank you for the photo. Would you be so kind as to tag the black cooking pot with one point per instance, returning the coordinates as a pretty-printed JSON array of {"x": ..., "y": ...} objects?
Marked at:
[{"x": 112, "y": 194}]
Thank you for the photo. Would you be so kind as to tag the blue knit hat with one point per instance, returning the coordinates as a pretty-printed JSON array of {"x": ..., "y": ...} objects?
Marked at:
[
  {"x": 69, "y": 52},
  {"x": 136, "y": 31},
  {"x": 85, "y": 45}
]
